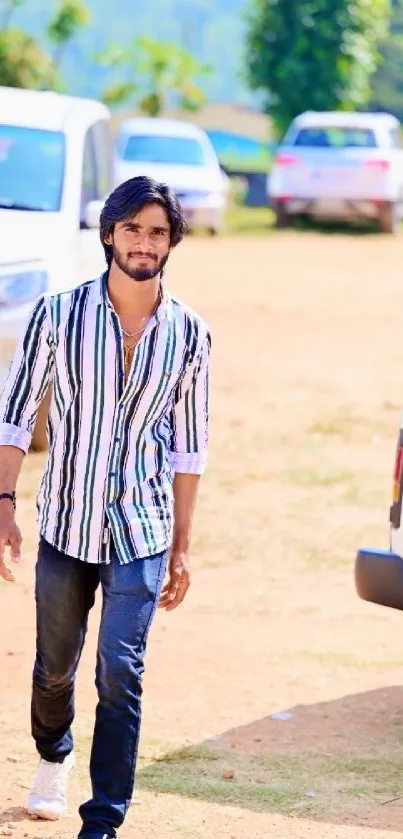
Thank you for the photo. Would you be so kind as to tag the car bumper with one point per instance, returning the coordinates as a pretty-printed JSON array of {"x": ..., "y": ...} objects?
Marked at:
[
  {"x": 334, "y": 208},
  {"x": 203, "y": 217},
  {"x": 379, "y": 577}
]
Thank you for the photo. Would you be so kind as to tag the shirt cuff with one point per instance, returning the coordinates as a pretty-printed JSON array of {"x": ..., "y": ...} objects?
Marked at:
[
  {"x": 193, "y": 463},
  {"x": 13, "y": 435}
]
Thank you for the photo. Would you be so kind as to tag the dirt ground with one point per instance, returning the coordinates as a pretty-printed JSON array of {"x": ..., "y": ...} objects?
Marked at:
[{"x": 307, "y": 392}]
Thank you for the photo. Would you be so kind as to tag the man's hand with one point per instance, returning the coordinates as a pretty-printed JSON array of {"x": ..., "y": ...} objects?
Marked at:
[
  {"x": 10, "y": 536},
  {"x": 179, "y": 581}
]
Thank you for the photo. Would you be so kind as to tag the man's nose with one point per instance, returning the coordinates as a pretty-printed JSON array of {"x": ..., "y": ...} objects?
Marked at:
[{"x": 144, "y": 240}]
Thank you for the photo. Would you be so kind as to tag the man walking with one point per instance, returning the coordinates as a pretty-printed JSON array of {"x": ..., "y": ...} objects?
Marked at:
[{"x": 128, "y": 428}]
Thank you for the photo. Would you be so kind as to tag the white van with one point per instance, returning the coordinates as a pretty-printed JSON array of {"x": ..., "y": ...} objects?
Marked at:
[
  {"x": 56, "y": 169},
  {"x": 181, "y": 155}
]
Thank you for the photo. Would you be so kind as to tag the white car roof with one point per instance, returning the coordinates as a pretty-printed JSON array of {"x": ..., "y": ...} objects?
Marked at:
[
  {"x": 162, "y": 127},
  {"x": 344, "y": 118},
  {"x": 47, "y": 109}
]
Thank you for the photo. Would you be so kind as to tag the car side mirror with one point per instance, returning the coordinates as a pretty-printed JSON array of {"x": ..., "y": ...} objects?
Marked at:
[{"x": 92, "y": 213}]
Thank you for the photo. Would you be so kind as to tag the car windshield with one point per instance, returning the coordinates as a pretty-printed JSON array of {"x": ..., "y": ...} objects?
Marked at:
[
  {"x": 336, "y": 138},
  {"x": 31, "y": 168},
  {"x": 150, "y": 148}
]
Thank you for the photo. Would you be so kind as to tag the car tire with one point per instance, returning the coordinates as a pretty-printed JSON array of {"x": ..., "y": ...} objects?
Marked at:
[
  {"x": 39, "y": 442},
  {"x": 283, "y": 219},
  {"x": 389, "y": 218}
]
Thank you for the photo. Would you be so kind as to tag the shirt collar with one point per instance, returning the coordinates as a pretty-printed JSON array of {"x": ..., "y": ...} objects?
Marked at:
[{"x": 164, "y": 311}]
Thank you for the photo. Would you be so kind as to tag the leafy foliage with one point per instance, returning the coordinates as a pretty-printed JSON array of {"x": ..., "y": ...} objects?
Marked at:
[
  {"x": 387, "y": 82},
  {"x": 23, "y": 62},
  {"x": 68, "y": 19},
  {"x": 313, "y": 54},
  {"x": 157, "y": 72}
]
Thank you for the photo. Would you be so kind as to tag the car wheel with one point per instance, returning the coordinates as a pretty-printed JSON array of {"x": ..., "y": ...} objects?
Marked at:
[
  {"x": 389, "y": 218},
  {"x": 39, "y": 442},
  {"x": 283, "y": 219}
]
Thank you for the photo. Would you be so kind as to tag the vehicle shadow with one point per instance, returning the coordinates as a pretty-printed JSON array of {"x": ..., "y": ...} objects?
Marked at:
[
  {"x": 352, "y": 228},
  {"x": 339, "y": 762}
]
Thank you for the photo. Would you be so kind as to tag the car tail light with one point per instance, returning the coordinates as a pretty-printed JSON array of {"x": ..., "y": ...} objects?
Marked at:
[
  {"x": 286, "y": 160},
  {"x": 397, "y": 473},
  {"x": 396, "y": 508},
  {"x": 375, "y": 163}
]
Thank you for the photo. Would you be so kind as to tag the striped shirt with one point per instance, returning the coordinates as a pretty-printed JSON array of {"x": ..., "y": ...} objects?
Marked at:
[{"x": 114, "y": 446}]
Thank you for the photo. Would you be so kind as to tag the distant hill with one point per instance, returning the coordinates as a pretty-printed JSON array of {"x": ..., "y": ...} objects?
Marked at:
[{"x": 212, "y": 29}]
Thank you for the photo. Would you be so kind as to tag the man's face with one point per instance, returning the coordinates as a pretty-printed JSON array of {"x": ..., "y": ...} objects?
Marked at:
[{"x": 141, "y": 243}]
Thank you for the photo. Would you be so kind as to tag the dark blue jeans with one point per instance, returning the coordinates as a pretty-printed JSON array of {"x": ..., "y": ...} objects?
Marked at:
[{"x": 65, "y": 592}]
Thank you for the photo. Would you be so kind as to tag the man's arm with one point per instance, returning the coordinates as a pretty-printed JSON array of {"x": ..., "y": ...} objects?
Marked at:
[
  {"x": 27, "y": 382},
  {"x": 10, "y": 466},
  {"x": 25, "y": 387},
  {"x": 190, "y": 431}
]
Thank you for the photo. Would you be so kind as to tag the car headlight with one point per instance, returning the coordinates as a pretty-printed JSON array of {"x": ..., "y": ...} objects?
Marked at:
[{"x": 18, "y": 287}]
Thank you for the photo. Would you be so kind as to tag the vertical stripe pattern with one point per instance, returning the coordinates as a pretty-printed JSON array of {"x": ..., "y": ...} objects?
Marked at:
[{"x": 114, "y": 447}]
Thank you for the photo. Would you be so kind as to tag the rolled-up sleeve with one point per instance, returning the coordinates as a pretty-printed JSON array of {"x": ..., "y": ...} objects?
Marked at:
[
  {"x": 190, "y": 418},
  {"x": 27, "y": 381}
]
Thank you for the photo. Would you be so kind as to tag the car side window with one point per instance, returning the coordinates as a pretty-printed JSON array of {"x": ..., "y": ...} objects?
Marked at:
[
  {"x": 395, "y": 138},
  {"x": 103, "y": 151},
  {"x": 89, "y": 175}
]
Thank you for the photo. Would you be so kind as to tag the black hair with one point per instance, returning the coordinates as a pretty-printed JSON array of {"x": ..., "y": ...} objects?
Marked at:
[{"x": 129, "y": 198}]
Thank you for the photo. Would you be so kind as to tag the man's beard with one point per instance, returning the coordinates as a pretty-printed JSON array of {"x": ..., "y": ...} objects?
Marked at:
[{"x": 139, "y": 274}]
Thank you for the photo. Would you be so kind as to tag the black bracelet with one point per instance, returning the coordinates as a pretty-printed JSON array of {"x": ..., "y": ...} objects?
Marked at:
[{"x": 10, "y": 497}]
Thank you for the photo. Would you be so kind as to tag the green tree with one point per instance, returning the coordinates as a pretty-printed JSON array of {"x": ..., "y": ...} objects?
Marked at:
[
  {"x": 68, "y": 19},
  {"x": 313, "y": 54},
  {"x": 387, "y": 82},
  {"x": 23, "y": 62},
  {"x": 157, "y": 73}
]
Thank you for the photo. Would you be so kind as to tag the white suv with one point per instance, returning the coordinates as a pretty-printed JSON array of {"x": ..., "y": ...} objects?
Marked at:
[
  {"x": 339, "y": 166},
  {"x": 56, "y": 169}
]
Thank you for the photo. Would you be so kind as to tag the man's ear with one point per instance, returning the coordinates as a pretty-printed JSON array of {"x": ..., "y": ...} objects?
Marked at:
[{"x": 108, "y": 239}]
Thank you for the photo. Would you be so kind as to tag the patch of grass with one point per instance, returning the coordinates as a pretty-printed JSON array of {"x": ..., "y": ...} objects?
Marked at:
[
  {"x": 305, "y": 477},
  {"x": 327, "y": 428},
  {"x": 332, "y": 658},
  {"x": 364, "y": 496},
  {"x": 249, "y": 220},
  {"x": 388, "y": 405},
  {"x": 272, "y": 783},
  {"x": 319, "y": 558}
]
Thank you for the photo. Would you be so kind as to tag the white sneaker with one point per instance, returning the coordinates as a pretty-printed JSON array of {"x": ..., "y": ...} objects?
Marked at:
[{"x": 48, "y": 799}]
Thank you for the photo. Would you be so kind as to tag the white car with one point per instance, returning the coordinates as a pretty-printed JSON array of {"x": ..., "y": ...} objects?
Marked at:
[
  {"x": 56, "y": 167},
  {"x": 339, "y": 165},
  {"x": 181, "y": 155}
]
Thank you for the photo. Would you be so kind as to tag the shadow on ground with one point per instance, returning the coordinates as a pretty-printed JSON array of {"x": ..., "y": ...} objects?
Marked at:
[
  {"x": 328, "y": 227},
  {"x": 13, "y": 814},
  {"x": 339, "y": 762}
]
